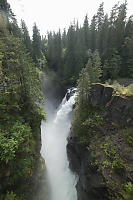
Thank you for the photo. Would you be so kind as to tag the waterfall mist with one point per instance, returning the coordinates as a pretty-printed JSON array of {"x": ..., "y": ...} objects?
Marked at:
[{"x": 54, "y": 135}]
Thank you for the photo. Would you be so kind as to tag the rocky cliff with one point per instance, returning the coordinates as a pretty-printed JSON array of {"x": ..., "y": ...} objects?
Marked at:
[{"x": 103, "y": 156}]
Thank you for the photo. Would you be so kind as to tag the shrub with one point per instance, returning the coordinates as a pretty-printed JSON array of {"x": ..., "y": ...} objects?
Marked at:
[
  {"x": 11, "y": 140},
  {"x": 10, "y": 196},
  {"x": 128, "y": 134},
  {"x": 128, "y": 194}
]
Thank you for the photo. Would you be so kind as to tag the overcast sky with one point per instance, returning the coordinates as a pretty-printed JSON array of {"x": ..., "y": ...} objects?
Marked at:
[{"x": 55, "y": 14}]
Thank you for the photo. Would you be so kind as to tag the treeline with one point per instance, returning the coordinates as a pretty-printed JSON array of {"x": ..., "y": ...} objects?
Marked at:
[
  {"x": 68, "y": 52},
  {"x": 20, "y": 116}
]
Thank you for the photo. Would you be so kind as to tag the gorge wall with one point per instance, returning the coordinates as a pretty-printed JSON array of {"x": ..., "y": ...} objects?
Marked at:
[{"x": 103, "y": 156}]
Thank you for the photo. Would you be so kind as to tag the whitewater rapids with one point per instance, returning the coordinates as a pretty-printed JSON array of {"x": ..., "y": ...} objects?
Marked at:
[{"x": 54, "y": 135}]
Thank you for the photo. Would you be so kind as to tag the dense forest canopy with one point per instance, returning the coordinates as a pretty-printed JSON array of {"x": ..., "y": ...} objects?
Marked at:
[{"x": 67, "y": 52}]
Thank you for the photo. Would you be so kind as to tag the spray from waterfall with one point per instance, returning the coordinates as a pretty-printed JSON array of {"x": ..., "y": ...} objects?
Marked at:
[{"x": 54, "y": 140}]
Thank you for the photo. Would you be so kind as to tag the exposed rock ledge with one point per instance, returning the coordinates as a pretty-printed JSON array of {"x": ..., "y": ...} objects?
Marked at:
[{"x": 95, "y": 181}]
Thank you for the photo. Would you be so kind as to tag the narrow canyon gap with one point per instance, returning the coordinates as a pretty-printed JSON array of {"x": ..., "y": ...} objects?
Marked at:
[{"x": 54, "y": 133}]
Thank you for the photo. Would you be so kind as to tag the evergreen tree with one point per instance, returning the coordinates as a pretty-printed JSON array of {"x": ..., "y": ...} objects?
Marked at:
[
  {"x": 93, "y": 34},
  {"x": 26, "y": 37},
  {"x": 20, "y": 117},
  {"x": 64, "y": 39},
  {"x": 86, "y": 32},
  {"x": 70, "y": 53},
  {"x": 129, "y": 27},
  {"x": 83, "y": 87},
  {"x": 94, "y": 67},
  {"x": 100, "y": 16},
  {"x": 112, "y": 65},
  {"x": 36, "y": 44},
  {"x": 120, "y": 25},
  {"x": 90, "y": 74},
  {"x": 80, "y": 51},
  {"x": 127, "y": 69},
  {"x": 67, "y": 53},
  {"x": 102, "y": 39}
]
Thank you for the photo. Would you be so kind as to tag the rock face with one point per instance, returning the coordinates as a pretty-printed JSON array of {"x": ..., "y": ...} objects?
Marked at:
[
  {"x": 116, "y": 108},
  {"x": 95, "y": 181},
  {"x": 91, "y": 184},
  {"x": 100, "y": 95}
]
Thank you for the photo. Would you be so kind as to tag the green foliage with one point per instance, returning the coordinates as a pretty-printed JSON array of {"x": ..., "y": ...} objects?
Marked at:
[
  {"x": 112, "y": 65},
  {"x": 10, "y": 196},
  {"x": 128, "y": 55},
  {"x": 111, "y": 35},
  {"x": 21, "y": 77},
  {"x": 94, "y": 67},
  {"x": 111, "y": 158},
  {"x": 126, "y": 192},
  {"x": 78, "y": 126},
  {"x": 83, "y": 123},
  {"x": 128, "y": 134},
  {"x": 20, "y": 114},
  {"x": 128, "y": 195},
  {"x": 90, "y": 74},
  {"x": 86, "y": 122},
  {"x": 108, "y": 148},
  {"x": 118, "y": 165},
  {"x": 83, "y": 87},
  {"x": 94, "y": 120},
  {"x": 36, "y": 44},
  {"x": 26, "y": 37},
  {"x": 11, "y": 140}
]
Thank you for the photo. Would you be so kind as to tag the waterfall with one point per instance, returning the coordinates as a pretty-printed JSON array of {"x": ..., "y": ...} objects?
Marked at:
[{"x": 54, "y": 135}]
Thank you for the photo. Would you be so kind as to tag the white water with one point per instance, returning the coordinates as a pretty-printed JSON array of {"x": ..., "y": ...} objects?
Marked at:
[{"x": 54, "y": 140}]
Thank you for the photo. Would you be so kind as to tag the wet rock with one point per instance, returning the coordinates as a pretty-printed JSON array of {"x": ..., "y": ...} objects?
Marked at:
[
  {"x": 119, "y": 111},
  {"x": 70, "y": 93},
  {"x": 100, "y": 95},
  {"x": 91, "y": 183}
]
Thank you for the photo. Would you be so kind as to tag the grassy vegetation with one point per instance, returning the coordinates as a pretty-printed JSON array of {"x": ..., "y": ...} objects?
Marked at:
[{"x": 120, "y": 89}]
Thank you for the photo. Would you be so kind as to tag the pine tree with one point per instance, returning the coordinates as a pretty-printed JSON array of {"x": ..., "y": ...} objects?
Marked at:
[
  {"x": 93, "y": 34},
  {"x": 120, "y": 25},
  {"x": 26, "y": 37},
  {"x": 64, "y": 39},
  {"x": 127, "y": 69},
  {"x": 70, "y": 53},
  {"x": 100, "y": 16},
  {"x": 90, "y": 74},
  {"x": 36, "y": 44},
  {"x": 86, "y": 32},
  {"x": 129, "y": 27},
  {"x": 94, "y": 67},
  {"x": 112, "y": 65},
  {"x": 83, "y": 86}
]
